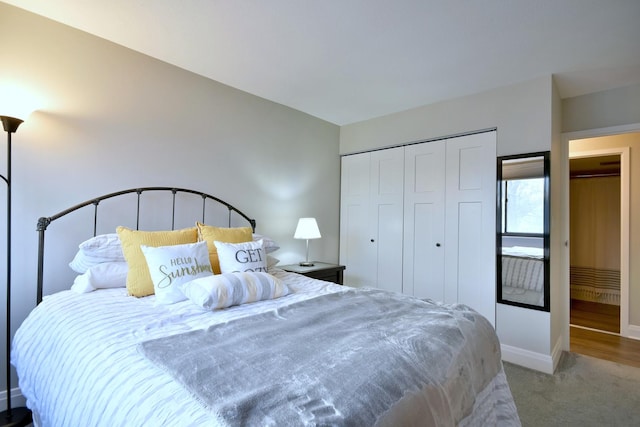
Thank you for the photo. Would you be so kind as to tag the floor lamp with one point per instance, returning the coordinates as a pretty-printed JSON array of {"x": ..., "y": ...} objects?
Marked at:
[{"x": 20, "y": 416}]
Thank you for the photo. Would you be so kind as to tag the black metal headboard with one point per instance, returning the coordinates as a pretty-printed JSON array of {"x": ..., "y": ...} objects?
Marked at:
[{"x": 44, "y": 222}]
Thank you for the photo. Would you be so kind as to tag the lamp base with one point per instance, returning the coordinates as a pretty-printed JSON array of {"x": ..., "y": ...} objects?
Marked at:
[
  {"x": 306, "y": 264},
  {"x": 18, "y": 417}
]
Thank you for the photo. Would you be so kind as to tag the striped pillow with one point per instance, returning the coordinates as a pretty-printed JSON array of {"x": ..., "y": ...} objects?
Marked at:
[{"x": 228, "y": 289}]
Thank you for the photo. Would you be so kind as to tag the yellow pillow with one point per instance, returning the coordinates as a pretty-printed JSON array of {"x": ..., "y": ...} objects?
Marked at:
[
  {"x": 139, "y": 283},
  {"x": 210, "y": 234}
]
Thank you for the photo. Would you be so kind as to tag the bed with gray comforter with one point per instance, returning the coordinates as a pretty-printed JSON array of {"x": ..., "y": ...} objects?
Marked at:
[
  {"x": 324, "y": 355},
  {"x": 359, "y": 358}
]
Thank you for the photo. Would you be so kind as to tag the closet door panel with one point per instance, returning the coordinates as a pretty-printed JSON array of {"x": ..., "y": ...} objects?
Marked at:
[
  {"x": 470, "y": 258},
  {"x": 387, "y": 192},
  {"x": 470, "y": 170},
  {"x": 424, "y": 262},
  {"x": 356, "y": 252},
  {"x": 389, "y": 249},
  {"x": 470, "y": 222},
  {"x": 423, "y": 258}
]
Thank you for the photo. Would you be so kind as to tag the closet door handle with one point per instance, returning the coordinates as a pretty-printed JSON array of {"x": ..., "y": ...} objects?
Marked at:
[
  {"x": 372, "y": 240},
  {"x": 437, "y": 245}
]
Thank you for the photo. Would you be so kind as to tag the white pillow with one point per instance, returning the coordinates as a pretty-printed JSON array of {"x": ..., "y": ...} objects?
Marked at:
[
  {"x": 96, "y": 250},
  {"x": 272, "y": 261},
  {"x": 103, "y": 245},
  {"x": 102, "y": 276},
  {"x": 170, "y": 266},
  {"x": 269, "y": 244},
  {"x": 228, "y": 289},
  {"x": 239, "y": 257}
]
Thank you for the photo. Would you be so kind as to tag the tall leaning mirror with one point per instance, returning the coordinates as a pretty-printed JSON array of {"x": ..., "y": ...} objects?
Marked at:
[{"x": 522, "y": 226}]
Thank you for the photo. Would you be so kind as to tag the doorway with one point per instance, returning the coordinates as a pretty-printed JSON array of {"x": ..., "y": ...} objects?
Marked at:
[
  {"x": 610, "y": 345},
  {"x": 594, "y": 206}
]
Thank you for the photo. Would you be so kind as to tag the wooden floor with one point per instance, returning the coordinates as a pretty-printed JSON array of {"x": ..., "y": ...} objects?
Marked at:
[
  {"x": 606, "y": 345},
  {"x": 604, "y": 317}
]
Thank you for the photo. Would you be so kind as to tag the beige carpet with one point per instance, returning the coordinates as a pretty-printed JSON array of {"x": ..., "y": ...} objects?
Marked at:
[{"x": 583, "y": 392}]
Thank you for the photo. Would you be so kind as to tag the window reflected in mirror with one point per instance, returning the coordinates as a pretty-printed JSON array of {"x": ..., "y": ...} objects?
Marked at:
[{"x": 523, "y": 230}]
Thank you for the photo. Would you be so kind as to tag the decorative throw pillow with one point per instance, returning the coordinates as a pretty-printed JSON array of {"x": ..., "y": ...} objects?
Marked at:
[
  {"x": 269, "y": 244},
  {"x": 170, "y": 266},
  {"x": 96, "y": 250},
  {"x": 139, "y": 283},
  {"x": 272, "y": 261},
  {"x": 226, "y": 290},
  {"x": 210, "y": 234},
  {"x": 102, "y": 276},
  {"x": 239, "y": 257}
]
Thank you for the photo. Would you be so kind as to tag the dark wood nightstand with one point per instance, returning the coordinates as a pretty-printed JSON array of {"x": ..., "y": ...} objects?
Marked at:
[{"x": 321, "y": 270}]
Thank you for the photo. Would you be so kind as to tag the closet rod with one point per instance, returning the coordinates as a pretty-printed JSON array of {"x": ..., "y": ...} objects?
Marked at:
[
  {"x": 440, "y": 138},
  {"x": 595, "y": 175}
]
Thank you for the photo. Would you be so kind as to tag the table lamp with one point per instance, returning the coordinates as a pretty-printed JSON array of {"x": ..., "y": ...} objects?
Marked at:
[{"x": 307, "y": 229}]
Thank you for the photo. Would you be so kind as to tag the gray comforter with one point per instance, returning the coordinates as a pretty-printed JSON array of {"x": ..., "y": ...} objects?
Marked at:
[{"x": 362, "y": 357}]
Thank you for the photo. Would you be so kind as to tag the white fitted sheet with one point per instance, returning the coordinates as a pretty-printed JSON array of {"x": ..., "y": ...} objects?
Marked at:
[{"x": 69, "y": 380}]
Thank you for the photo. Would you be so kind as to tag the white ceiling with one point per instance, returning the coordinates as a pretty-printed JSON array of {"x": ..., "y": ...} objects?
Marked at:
[{"x": 350, "y": 60}]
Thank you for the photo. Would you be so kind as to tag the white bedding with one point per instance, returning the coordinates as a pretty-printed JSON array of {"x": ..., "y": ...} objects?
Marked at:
[{"x": 115, "y": 385}]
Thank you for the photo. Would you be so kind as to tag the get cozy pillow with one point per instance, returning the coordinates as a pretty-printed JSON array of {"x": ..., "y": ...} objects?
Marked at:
[
  {"x": 228, "y": 289},
  {"x": 139, "y": 283},
  {"x": 238, "y": 257},
  {"x": 210, "y": 234},
  {"x": 170, "y": 266}
]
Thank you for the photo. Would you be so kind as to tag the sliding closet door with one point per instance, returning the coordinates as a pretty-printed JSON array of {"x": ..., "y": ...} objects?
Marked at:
[
  {"x": 420, "y": 219},
  {"x": 371, "y": 219},
  {"x": 356, "y": 251},
  {"x": 386, "y": 207},
  {"x": 470, "y": 222},
  {"x": 424, "y": 204}
]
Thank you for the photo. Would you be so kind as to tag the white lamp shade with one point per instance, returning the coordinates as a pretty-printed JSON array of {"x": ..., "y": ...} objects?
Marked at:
[{"x": 307, "y": 229}]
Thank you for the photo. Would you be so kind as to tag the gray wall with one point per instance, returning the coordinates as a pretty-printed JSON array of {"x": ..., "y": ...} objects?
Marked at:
[
  {"x": 112, "y": 119},
  {"x": 614, "y": 107},
  {"x": 522, "y": 114}
]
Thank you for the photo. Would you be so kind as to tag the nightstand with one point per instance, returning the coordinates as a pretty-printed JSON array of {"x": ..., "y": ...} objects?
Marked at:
[{"x": 321, "y": 270}]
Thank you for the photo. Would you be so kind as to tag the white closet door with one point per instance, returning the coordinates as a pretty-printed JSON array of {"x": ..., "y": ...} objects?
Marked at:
[
  {"x": 424, "y": 205},
  {"x": 386, "y": 208},
  {"x": 470, "y": 222},
  {"x": 356, "y": 250}
]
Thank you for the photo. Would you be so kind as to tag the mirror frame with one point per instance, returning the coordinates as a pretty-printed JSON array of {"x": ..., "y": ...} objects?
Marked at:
[{"x": 546, "y": 155}]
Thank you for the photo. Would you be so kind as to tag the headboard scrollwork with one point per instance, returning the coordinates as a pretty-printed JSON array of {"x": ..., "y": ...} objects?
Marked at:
[{"x": 44, "y": 222}]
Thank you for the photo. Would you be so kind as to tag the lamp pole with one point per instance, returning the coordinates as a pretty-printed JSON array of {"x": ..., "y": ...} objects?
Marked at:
[{"x": 21, "y": 416}]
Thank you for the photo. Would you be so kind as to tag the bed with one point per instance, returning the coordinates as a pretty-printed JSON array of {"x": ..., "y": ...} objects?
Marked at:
[{"x": 306, "y": 352}]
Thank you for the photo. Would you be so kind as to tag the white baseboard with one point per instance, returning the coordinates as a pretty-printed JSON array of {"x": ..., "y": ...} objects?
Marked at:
[
  {"x": 16, "y": 399},
  {"x": 536, "y": 361},
  {"x": 556, "y": 353},
  {"x": 634, "y": 332}
]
